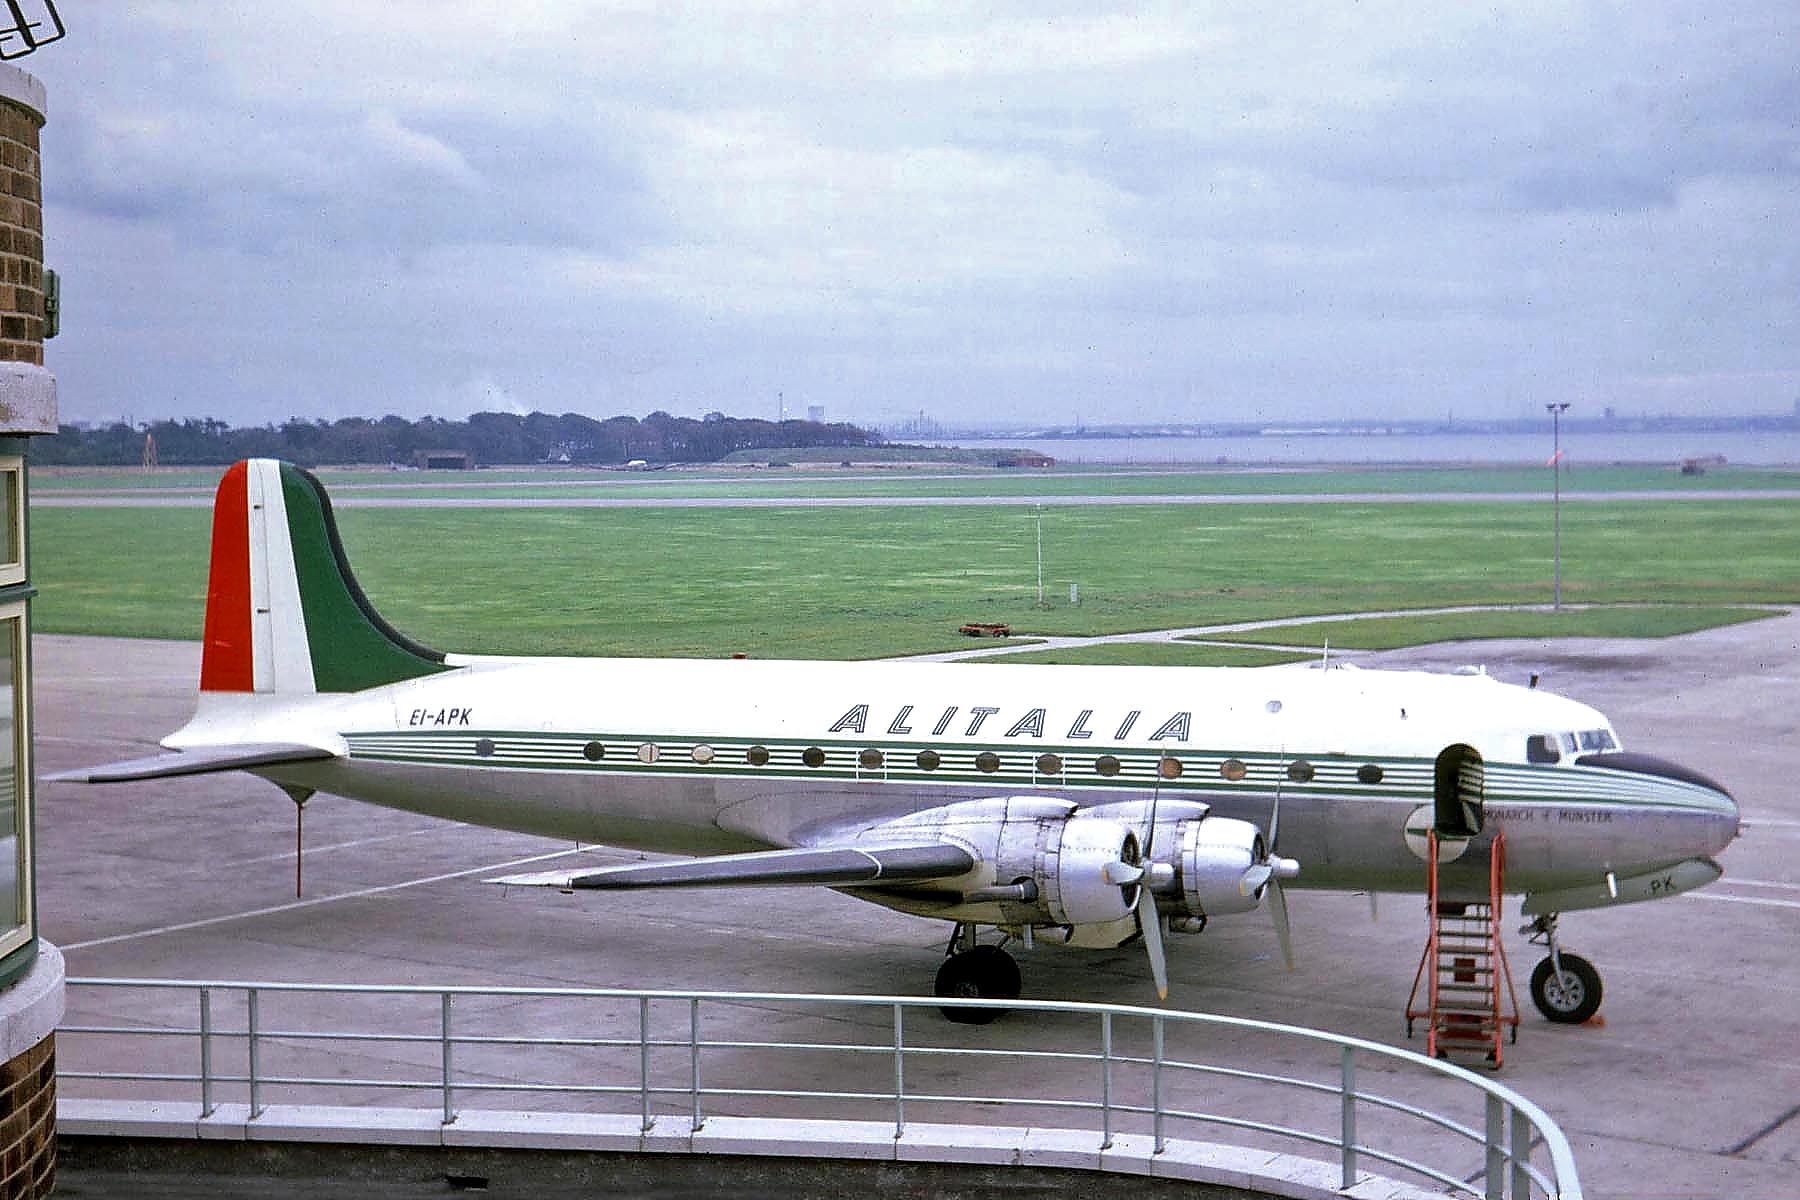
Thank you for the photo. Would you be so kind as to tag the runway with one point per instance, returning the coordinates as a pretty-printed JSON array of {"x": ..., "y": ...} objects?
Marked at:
[{"x": 1687, "y": 1090}]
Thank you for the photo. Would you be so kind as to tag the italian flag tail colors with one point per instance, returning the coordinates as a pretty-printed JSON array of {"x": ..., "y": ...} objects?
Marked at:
[{"x": 283, "y": 612}]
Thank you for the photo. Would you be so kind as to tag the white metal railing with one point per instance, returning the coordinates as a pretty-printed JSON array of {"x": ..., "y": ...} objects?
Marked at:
[{"x": 1109, "y": 1069}]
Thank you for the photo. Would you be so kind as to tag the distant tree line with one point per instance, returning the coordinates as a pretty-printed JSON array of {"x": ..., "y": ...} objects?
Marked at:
[{"x": 488, "y": 437}]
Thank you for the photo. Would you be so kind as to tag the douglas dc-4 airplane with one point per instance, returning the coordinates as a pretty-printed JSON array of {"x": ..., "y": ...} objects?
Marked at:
[{"x": 1087, "y": 806}]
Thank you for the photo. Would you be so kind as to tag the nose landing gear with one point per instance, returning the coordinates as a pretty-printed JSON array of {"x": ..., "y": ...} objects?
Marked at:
[{"x": 1565, "y": 987}]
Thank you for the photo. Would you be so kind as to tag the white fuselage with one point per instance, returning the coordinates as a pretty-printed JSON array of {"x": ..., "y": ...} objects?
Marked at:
[{"x": 699, "y": 757}]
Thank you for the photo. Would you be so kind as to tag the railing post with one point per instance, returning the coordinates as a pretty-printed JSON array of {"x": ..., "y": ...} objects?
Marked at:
[
  {"x": 644, "y": 1061},
  {"x": 1347, "y": 1130},
  {"x": 899, "y": 1073},
  {"x": 694, "y": 1059},
  {"x": 444, "y": 1025},
  {"x": 1521, "y": 1156},
  {"x": 255, "y": 1073},
  {"x": 206, "y": 1083},
  {"x": 1156, "y": 1077},
  {"x": 1496, "y": 1152},
  {"x": 1106, "y": 1137}
]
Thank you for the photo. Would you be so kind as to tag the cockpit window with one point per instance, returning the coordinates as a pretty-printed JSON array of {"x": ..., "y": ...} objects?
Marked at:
[
  {"x": 1541, "y": 748},
  {"x": 1598, "y": 739},
  {"x": 1570, "y": 743}
]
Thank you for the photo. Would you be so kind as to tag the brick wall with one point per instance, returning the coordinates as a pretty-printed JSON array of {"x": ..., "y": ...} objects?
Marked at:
[
  {"x": 21, "y": 237},
  {"x": 28, "y": 1128}
]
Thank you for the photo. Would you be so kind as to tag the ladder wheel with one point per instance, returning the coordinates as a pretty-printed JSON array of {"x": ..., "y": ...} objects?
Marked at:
[{"x": 1571, "y": 998}]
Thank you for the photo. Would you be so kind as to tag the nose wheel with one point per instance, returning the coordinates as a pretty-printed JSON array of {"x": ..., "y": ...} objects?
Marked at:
[
  {"x": 1565, "y": 987},
  {"x": 977, "y": 973}
]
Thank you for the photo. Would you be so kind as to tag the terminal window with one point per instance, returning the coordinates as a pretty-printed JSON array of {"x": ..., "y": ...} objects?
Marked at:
[{"x": 15, "y": 775}]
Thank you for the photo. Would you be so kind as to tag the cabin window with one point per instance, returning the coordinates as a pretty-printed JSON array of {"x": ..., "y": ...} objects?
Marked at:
[
  {"x": 1169, "y": 767},
  {"x": 928, "y": 760},
  {"x": 1273, "y": 706},
  {"x": 1233, "y": 769},
  {"x": 702, "y": 754},
  {"x": 484, "y": 747},
  {"x": 757, "y": 756},
  {"x": 1300, "y": 771},
  {"x": 593, "y": 752},
  {"x": 1106, "y": 764},
  {"x": 1369, "y": 773},
  {"x": 647, "y": 753},
  {"x": 1049, "y": 764},
  {"x": 987, "y": 761},
  {"x": 812, "y": 756},
  {"x": 870, "y": 759},
  {"x": 1541, "y": 748}
]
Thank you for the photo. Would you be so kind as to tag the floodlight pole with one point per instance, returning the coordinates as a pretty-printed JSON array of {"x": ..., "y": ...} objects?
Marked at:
[
  {"x": 1039, "y": 520},
  {"x": 1556, "y": 411}
]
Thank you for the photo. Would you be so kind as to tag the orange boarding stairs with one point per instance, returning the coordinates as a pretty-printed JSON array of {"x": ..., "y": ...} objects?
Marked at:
[{"x": 1464, "y": 967}]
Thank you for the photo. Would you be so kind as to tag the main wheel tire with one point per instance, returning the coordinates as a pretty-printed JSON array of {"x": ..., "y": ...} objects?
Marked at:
[
  {"x": 1571, "y": 998},
  {"x": 987, "y": 973}
]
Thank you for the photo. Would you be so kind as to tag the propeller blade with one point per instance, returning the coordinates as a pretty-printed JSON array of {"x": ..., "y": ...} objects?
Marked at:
[
  {"x": 1254, "y": 876},
  {"x": 1150, "y": 923},
  {"x": 1279, "y": 910}
]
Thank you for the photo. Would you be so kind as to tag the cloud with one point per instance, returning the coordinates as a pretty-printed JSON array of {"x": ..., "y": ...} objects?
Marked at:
[{"x": 336, "y": 207}]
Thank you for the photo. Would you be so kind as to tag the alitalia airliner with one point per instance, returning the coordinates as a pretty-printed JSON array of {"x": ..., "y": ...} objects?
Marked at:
[{"x": 1051, "y": 805}]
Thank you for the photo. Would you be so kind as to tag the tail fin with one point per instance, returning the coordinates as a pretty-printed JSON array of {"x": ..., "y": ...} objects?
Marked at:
[{"x": 283, "y": 612}]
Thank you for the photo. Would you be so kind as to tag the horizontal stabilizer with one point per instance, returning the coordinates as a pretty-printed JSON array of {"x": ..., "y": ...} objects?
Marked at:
[
  {"x": 203, "y": 760},
  {"x": 840, "y": 866}
]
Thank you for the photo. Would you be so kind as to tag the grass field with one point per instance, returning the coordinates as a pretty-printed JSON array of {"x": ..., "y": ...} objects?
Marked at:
[{"x": 868, "y": 582}]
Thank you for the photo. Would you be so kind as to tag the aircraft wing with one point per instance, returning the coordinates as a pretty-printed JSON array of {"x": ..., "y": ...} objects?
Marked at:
[
  {"x": 838, "y": 866},
  {"x": 202, "y": 760}
]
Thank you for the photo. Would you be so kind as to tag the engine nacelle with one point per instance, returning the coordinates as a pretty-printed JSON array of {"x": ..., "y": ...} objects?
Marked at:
[
  {"x": 1042, "y": 860},
  {"x": 1208, "y": 855},
  {"x": 1215, "y": 853},
  {"x": 1072, "y": 870}
]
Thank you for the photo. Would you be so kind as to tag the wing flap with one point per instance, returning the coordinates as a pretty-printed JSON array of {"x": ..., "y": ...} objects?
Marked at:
[
  {"x": 838, "y": 866},
  {"x": 201, "y": 760}
]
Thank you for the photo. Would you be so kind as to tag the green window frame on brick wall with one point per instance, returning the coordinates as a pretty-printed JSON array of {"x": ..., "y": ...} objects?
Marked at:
[
  {"x": 17, "y": 926},
  {"x": 12, "y": 512}
]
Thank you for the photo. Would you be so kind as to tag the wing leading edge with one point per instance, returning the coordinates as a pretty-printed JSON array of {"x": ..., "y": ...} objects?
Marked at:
[{"x": 839, "y": 866}]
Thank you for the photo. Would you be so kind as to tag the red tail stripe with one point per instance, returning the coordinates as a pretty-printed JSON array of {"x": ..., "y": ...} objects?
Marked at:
[{"x": 227, "y": 662}]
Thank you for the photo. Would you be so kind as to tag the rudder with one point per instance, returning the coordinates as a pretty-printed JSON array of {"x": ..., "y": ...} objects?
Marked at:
[{"x": 284, "y": 613}]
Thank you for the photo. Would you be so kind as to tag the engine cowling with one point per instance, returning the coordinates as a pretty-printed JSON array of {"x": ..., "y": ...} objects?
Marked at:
[
  {"x": 1044, "y": 861},
  {"x": 1215, "y": 853},
  {"x": 1075, "y": 871}
]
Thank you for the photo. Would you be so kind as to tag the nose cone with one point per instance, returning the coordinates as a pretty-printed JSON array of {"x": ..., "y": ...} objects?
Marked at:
[{"x": 1709, "y": 812}]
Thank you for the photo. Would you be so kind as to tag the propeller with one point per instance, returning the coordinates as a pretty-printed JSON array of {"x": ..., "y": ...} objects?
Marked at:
[
  {"x": 1148, "y": 919},
  {"x": 1268, "y": 872}
]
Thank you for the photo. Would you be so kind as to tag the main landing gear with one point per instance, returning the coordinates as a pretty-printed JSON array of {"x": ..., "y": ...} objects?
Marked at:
[
  {"x": 1565, "y": 987},
  {"x": 972, "y": 971}
]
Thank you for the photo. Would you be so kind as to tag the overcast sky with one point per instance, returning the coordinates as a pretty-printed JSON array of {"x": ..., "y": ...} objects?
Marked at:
[{"x": 1034, "y": 213}]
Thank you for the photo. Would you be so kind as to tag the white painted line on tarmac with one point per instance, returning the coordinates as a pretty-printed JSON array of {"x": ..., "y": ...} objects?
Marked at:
[
  {"x": 288, "y": 855},
  {"x": 1758, "y": 900},
  {"x": 299, "y": 904},
  {"x": 1761, "y": 883}
]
